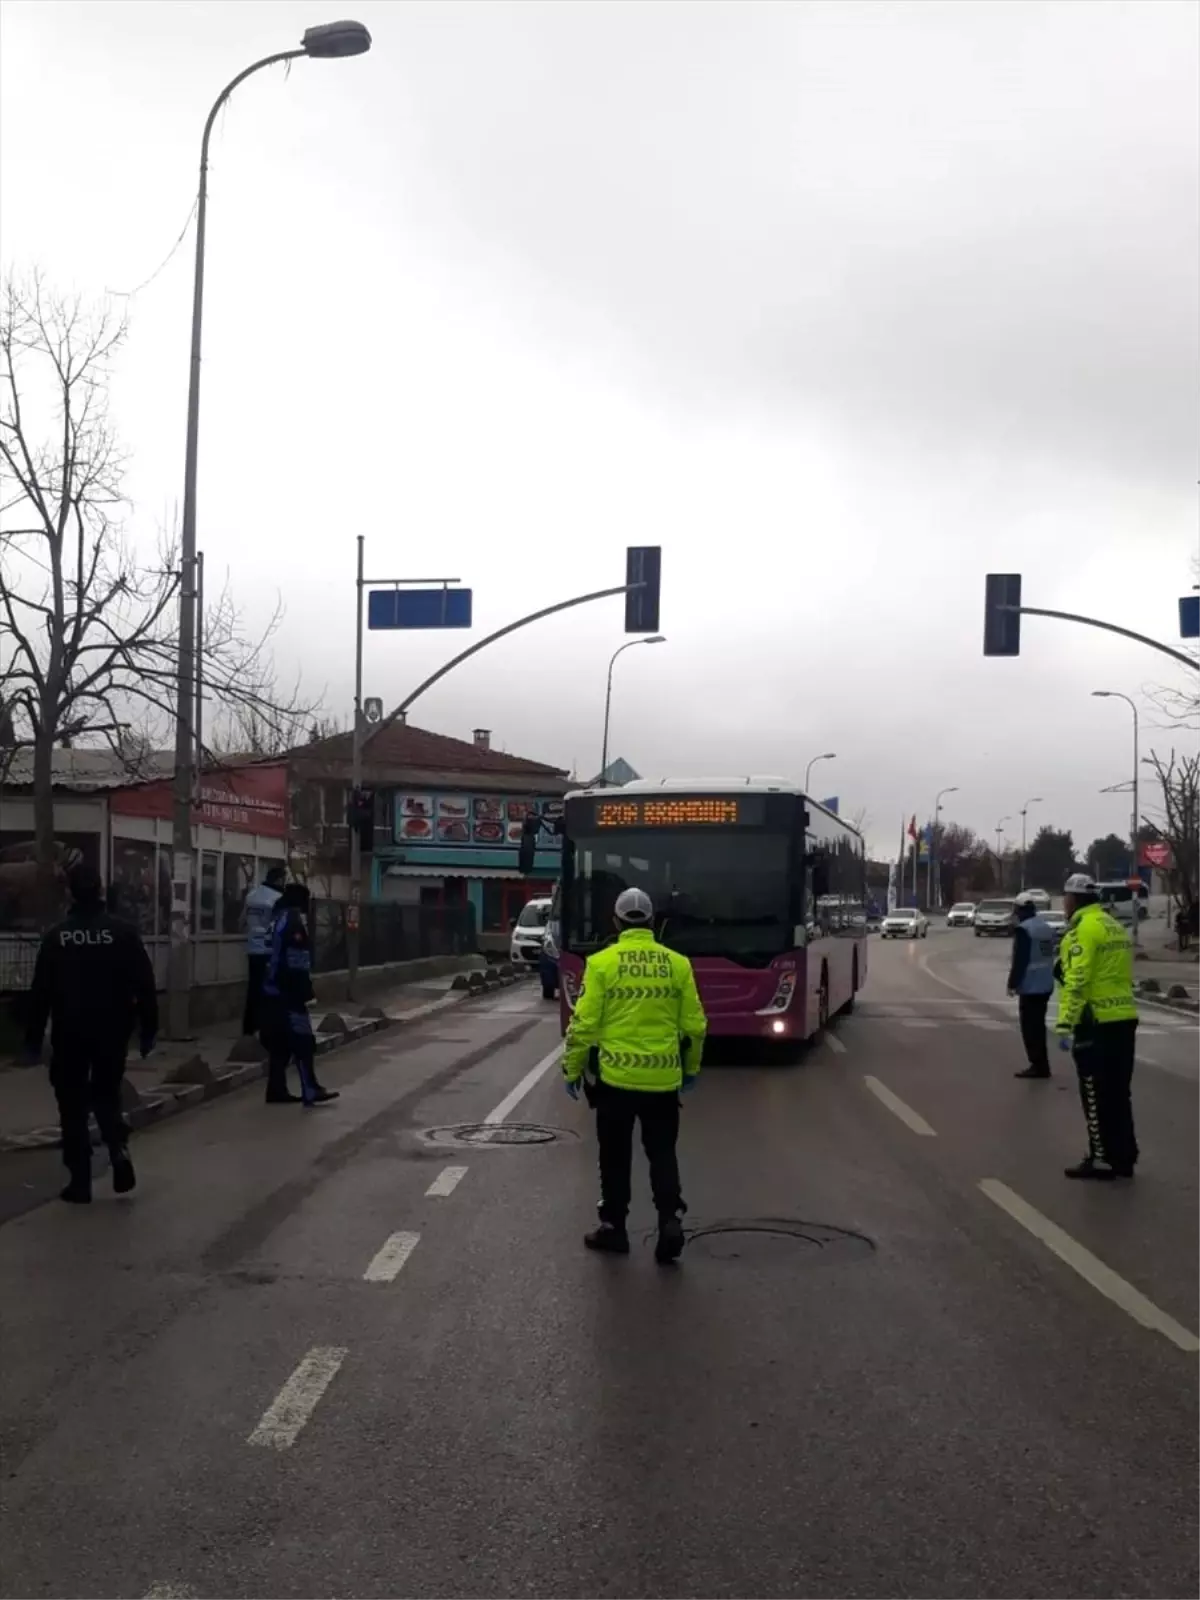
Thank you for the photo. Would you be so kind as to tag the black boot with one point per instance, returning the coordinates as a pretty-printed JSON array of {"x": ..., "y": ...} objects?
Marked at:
[
  {"x": 670, "y": 1240},
  {"x": 321, "y": 1097},
  {"x": 124, "y": 1177},
  {"x": 77, "y": 1193},
  {"x": 608, "y": 1239},
  {"x": 1032, "y": 1072},
  {"x": 1098, "y": 1171},
  {"x": 282, "y": 1097}
]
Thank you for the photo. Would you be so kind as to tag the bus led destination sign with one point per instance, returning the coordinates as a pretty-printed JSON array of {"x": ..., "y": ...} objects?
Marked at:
[{"x": 696, "y": 811}]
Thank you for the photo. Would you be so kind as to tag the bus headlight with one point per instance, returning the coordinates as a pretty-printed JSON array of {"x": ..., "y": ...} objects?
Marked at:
[{"x": 782, "y": 998}]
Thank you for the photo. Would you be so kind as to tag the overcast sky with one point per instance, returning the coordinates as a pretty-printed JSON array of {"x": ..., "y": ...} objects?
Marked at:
[{"x": 843, "y": 304}]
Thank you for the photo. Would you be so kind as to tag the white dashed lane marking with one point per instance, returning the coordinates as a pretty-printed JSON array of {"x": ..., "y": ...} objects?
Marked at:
[
  {"x": 447, "y": 1180},
  {"x": 1089, "y": 1267},
  {"x": 391, "y": 1256},
  {"x": 516, "y": 1094},
  {"x": 909, "y": 1117},
  {"x": 297, "y": 1400}
]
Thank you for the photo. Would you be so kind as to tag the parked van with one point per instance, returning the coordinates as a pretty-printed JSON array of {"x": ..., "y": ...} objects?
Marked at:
[{"x": 1118, "y": 899}]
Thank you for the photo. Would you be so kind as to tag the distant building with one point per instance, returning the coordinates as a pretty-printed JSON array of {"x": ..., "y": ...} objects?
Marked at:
[{"x": 615, "y": 773}]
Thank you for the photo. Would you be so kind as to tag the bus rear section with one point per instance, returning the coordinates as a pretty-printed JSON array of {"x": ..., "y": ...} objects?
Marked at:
[{"x": 761, "y": 890}]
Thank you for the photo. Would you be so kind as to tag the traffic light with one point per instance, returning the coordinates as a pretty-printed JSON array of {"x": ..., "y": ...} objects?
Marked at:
[
  {"x": 1189, "y": 617},
  {"x": 1001, "y": 616},
  {"x": 360, "y": 817},
  {"x": 527, "y": 849},
  {"x": 643, "y": 566}
]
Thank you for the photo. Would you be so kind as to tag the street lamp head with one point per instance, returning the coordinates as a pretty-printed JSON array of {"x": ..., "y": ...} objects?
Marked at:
[
  {"x": 329, "y": 40},
  {"x": 1102, "y": 694},
  {"x": 830, "y": 755},
  {"x": 656, "y": 638}
]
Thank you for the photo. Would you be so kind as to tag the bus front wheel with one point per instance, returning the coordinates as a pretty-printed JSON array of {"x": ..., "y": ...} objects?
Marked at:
[
  {"x": 823, "y": 1001},
  {"x": 849, "y": 1005}
]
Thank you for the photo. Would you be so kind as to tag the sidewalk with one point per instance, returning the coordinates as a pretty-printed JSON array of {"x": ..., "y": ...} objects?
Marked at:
[
  {"x": 179, "y": 1076},
  {"x": 1160, "y": 959}
]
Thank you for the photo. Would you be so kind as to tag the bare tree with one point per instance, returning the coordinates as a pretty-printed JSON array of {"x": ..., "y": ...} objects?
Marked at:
[
  {"x": 88, "y": 645},
  {"x": 1179, "y": 786}
]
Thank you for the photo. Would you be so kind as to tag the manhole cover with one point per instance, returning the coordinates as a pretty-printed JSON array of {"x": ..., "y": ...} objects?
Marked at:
[
  {"x": 782, "y": 1239},
  {"x": 486, "y": 1133}
]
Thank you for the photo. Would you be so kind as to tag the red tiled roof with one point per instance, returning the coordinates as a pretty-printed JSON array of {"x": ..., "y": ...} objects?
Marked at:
[{"x": 398, "y": 744}]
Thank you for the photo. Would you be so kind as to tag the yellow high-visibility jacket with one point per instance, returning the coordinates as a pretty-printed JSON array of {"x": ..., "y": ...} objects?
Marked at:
[
  {"x": 638, "y": 1001},
  {"x": 1096, "y": 957}
]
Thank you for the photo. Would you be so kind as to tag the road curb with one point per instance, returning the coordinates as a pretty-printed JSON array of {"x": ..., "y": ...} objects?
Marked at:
[{"x": 170, "y": 1099}]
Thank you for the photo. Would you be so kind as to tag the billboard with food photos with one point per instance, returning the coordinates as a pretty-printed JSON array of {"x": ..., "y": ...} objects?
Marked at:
[{"x": 490, "y": 822}]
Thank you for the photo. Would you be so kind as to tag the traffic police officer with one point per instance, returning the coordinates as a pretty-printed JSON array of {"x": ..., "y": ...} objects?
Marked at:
[
  {"x": 287, "y": 1032},
  {"x": 92, "y": 980},
  {"x": 1097, "y": 1021},
  {"x": 1031, "y": 979},
  {"x": 635, "y": 1040}
]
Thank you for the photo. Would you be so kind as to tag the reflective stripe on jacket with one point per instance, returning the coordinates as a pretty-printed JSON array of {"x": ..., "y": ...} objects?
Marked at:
[
  {"x": 638, "y": 1001},
  {"x": 1096, "y": 957},
  {"x": 1036, "y": 942}
]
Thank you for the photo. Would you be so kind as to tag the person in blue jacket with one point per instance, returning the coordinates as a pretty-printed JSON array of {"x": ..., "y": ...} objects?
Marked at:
[
  {"x": 1031, "y": 979},
  {"x": 286, "y": 1030}
]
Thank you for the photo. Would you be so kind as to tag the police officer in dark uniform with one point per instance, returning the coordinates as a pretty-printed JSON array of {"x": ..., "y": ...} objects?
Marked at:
[
  {"x": 286, "y": 1031},
  {"x": 92, "y": 981}
]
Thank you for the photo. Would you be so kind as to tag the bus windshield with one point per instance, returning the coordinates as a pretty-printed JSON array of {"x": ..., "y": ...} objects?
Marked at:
[{"x": 715, "y": 892}]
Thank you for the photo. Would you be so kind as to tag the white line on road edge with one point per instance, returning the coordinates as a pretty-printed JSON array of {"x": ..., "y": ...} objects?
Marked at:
[
  {"x": 893, "y": 1102},
  {"x": 514, "y": 1096},
  {"x": 169, "y": 1591},
  {"x": 297, "y": 1400},
  {"x": 835, "y": 1044},
  {"x": 1089, "y": 1267},
  {"x": 447, "y": 1180},
  {"x": 392, "y": 1255}
]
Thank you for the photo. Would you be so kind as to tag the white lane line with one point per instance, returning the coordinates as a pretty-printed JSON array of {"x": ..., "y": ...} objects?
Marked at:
[
  {"x": 893, "y": 1102},
  {"x": 835, "y": 1044},
  {"x": 991, "y": 1026},
  {"x": 514, "y": 1096},
  {"x": 447, "y": 1180},
  {"x": 391, "y": 1256},
  {"x": 1089, "y": 1267},
  {"x": 169, "y": 1591},
  {"x": 918, "y": 1022},
  {"x": 291, "y": 1408}
]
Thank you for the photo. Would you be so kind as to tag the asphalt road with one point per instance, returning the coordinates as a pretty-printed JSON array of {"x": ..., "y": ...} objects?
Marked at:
[{"x": 322, "y": 1354}]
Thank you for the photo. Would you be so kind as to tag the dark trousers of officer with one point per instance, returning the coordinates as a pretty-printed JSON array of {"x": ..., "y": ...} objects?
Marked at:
[
  {"x": 287, "y": 1036},
  {"x": 617, "y": 1110},
  {"x": 87, "y": 1078},
  {"x": 1031, "y": 1008},
  {"x": 256, "y": 968},
  {"x": 1104, "y": 1061}
]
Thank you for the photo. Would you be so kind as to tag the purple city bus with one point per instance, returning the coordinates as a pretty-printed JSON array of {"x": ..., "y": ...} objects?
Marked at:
[{"x": 762, "y": 888}]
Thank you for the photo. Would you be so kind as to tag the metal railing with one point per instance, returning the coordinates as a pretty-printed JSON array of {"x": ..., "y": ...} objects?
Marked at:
[{"x": 389, "y": 933}]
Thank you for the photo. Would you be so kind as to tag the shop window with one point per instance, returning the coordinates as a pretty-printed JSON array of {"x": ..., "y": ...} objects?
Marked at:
[
  {"x": 209, "y": 863},
  {"x": 237, "y": 878},
  {"x": 133, "y": 886}
]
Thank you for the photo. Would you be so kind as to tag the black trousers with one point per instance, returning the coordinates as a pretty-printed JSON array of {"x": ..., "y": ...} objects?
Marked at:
[
  {"x": 1031, "y": 1008},
  {"x": 287, "y": 1036},
  {"x": 256, "y": 967},
  {"x": 1104, "y": 1061},
  {"x": 616, "y": 1112},
  {"x": 87, "y": 1078}
]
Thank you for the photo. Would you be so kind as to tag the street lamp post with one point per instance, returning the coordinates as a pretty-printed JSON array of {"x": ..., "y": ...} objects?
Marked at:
[
  {"x": 830, "y": 755},
  {"x": 327, "y": 41},
  {"x": 999, "y": 857},
  {"x": 1035, "y": 800},
  {"x": 930, "y": 870},
  {"x": 656, "y": 638},
  {"x": 1116, "y": 694}
]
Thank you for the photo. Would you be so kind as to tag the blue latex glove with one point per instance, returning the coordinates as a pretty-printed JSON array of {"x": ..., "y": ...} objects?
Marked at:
[
  {"x": 689, "y": 1084},
  {"x": 572, "y": 1089},
  {"x": 146, "y": 1044},
  {"x": 1064, "y": 1042}
]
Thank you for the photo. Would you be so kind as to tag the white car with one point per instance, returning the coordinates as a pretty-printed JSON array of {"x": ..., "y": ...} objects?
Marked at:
[
  {"x": 961, "y": 915},
  {"x": 906, "y": 922},
  {"x": 1055, "y": 919},
  {"x": 529, "y": 932},
  {"x": 995, "y": 918}
]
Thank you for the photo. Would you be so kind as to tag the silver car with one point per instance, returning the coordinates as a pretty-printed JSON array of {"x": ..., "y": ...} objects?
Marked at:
[
  {"x": 961, "y": 915},
  {"x": 995, "y": 918},
  {"x": 906, "y": 922}
]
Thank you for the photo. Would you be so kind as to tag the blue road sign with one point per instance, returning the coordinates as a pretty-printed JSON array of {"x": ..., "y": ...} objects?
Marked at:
[
  {"x": 419, "y": 608},
  {"x": 1189, "y": 617}
]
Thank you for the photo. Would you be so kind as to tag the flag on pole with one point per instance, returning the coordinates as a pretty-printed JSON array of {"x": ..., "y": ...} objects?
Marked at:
[{"x": 912, "y": 828}]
